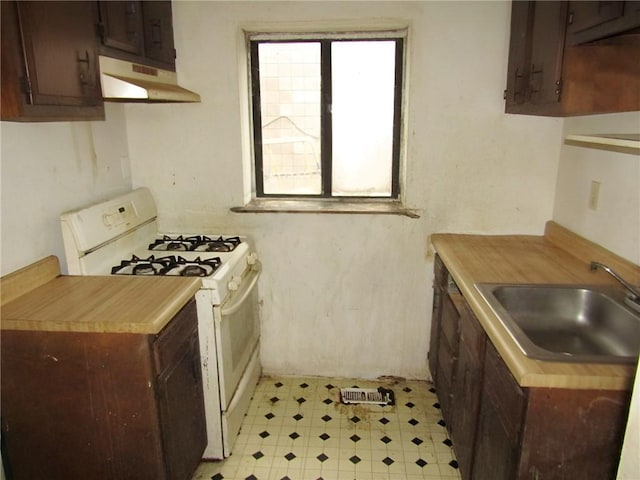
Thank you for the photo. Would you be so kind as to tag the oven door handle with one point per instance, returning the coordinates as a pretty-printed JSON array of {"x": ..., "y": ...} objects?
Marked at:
[{"x": 237, "y": 302}]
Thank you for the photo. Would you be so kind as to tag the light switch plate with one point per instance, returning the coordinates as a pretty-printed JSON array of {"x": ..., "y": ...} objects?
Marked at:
[{"x": 594, "y": 195}]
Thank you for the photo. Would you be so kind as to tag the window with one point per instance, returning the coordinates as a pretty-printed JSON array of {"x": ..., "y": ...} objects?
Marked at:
[{"x": 326, "y": 115}]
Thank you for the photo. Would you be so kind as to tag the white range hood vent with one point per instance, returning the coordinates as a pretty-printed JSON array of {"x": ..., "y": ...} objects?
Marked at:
[{"x": 130, "y": 82}]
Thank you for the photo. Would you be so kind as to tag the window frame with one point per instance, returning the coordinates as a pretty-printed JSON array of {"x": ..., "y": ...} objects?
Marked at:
[{"x": 326, "y": 162}]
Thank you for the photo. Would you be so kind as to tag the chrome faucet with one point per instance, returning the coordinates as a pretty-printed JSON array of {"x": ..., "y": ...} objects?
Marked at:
[{"x": 633, "y": 294}]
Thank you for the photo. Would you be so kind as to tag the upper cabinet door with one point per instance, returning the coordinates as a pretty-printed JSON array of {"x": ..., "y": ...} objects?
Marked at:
[
  {"x": 535, "y": 56},
  {"x": 60, "y": 50},
  {"x": 589, "y": 14},
  {"x": 121, "y": 26},
  {"x": 50, "y": 62},
  {"x": 547, "y": 49},
  {"x": 517, "y": 91},
  {"x": 595, "y": 20},
  {"x": 158, "y": 32},
  {"x": 139, "y": 32}
]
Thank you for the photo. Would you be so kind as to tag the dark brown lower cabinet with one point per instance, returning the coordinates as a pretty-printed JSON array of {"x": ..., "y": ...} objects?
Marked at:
[
  {"x": 467, "y": 386},
  {"x": 546, "y": 433},
  {"x": 103, "y": 405},
  {"x": 499, "y": 422},
  {"x": 501, "y": 431}
]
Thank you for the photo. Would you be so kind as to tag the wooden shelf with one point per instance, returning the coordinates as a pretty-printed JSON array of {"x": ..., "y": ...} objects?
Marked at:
[{"x": 624, "y": 142}]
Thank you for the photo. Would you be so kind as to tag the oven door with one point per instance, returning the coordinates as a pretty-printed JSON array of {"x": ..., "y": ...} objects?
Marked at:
[{"x": 237, "y": 333}]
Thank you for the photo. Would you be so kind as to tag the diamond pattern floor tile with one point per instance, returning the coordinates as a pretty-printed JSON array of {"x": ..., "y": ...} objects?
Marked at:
[{"x": 297, "y": 429}]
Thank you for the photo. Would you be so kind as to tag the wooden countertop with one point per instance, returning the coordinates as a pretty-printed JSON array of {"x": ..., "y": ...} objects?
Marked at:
[
  {"x": 114, "y": 304},
  {"x": 558, "y": 257}
]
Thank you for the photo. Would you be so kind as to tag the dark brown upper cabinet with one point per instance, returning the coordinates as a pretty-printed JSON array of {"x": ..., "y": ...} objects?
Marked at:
[
  {"x": 50, "y": 61},
  {"x": 140, "y": 32},
  {"x": 548, "y": 75},
  {"x": 594, "y": 20}
]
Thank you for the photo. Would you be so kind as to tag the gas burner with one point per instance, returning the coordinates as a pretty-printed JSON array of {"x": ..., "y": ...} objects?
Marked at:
[
  {"x": 196, "y": 243},
  {"x": 193, "y": 268},
  {"x": 166, "y": 244},
  {"x": 169, "y": 265},
  {"x": 206, "y": 244},
  {"x": 144, "y": 266}
]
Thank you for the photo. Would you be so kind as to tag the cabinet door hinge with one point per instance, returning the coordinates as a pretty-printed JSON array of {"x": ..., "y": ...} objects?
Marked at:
[{"x": 558, "y": 90}]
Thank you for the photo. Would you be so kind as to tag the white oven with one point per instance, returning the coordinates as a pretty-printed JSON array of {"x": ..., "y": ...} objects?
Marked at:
[
  {"x": 226, "y": 331},
  {"x": 120, "y": 237}
]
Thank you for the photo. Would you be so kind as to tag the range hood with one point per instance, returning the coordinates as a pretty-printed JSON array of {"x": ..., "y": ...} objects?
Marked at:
[{"x": 130, "y": 82}]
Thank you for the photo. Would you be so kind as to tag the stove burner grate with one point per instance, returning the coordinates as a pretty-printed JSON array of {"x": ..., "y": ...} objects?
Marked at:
[
  {"x": 196, "y": 243},
  {"x": 143, "y": 266},
  {"x": 169, "y": 265},
  {"x": 220, "y": 244},
  {"x": 193, "y": 268},
  {"x": 167, "y": 243}
]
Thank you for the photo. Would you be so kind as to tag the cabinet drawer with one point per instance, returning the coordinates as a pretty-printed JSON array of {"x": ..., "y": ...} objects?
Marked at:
[
  {"x": 501, "y": 388},
  {"x": 170, "y": 342}
]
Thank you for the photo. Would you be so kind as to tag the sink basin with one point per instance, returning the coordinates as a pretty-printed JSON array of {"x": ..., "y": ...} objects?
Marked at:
[{"x": 566, "y": 323}]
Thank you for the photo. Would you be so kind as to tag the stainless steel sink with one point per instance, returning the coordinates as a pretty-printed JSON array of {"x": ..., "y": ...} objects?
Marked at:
[{"x": 566, "y": 323}]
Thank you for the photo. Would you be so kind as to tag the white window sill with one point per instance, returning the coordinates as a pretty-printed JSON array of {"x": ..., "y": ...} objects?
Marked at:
[{"x": 327, "y": 205}]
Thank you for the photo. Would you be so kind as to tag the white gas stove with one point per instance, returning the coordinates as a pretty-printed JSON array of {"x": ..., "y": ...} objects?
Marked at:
[{"x": 120, "y": 237}]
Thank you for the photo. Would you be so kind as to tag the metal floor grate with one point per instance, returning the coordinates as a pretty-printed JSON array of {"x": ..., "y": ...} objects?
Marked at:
[{"x": 380, "y": 396}]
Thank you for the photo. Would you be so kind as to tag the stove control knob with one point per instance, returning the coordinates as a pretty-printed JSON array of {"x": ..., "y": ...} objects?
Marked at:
[
  {"x": 107, "y": 219},
  {"x": 234, "y": 283},
  {"x": 252, "y": 258}
]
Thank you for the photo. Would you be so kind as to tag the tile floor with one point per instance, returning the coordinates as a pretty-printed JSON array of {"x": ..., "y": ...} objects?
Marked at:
[{"x": 297, "y": 429}]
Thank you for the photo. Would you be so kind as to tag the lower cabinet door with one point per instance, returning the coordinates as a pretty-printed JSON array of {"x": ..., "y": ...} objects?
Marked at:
[
  {"x": 181, "y": 414},
  {"x": 467, "y": 389},
  {"x": 180, "y": 395},
  {"x": 497, "y": 443},
  {"x": 496, "y": 453}
]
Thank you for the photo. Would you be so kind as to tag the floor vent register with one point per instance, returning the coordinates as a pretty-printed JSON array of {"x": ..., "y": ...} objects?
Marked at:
[{"x": 379, "y": 396}]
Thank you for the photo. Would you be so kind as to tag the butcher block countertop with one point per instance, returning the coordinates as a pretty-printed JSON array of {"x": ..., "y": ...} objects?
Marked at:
[
  {"x": 558, "y": 257},
  {"x": 37, "y": 297}
]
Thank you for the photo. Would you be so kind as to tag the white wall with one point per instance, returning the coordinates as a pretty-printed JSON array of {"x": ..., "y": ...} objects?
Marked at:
[
  {"x": 351, "y": 295},
  {"x": 616, "y": 223},
  {"x": 49, "y": 168}
]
